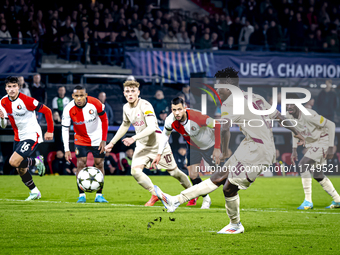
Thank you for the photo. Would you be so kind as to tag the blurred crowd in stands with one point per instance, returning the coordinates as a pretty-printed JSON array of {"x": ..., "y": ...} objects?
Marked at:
[{"x": 97, "y": 32}]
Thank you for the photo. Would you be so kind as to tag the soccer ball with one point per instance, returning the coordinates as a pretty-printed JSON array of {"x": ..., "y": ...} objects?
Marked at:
[{"x": 90, "y": 179}]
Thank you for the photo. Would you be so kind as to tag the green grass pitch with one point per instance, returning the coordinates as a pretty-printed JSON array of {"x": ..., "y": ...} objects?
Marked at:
[{"x": 55, "y": 224}]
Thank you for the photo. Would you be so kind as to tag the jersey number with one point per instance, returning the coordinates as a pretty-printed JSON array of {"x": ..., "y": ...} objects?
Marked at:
[
  {"x": 239, "y": 168},
  {"x": 168, "y": 158},
  {"x": 25, "y": 147}
]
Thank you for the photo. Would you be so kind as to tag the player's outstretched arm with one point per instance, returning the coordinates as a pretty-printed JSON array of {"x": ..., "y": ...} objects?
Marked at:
[
  {"x": 225, "y": 135},
  {"x": 331, "y": 133},
  {"x": 49, "y": 120},
  {"x": 150, "y": 128},
  {"x": 3, "y": 121},
  {"x": 105, "y": 128},
  {"x": 124, "y": 127},
  {"x": 162, "y": 143},
  {"x": 297, "y": 137}
]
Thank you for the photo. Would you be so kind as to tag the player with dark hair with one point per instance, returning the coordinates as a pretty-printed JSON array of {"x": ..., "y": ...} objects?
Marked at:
[
  {"x": 255, "y": 151},
  {"x": 141, "y": 115},
  {"x": 20, "y": 110},
  {"x": 202, "y": 135},
  {"x": 319, "y": 134},
  {"x": 90, "y": 127}
]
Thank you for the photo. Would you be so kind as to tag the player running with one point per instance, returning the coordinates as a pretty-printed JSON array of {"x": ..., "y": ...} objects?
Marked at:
[
  {"x": 140, "y": 114},
  {"x": 319, "y": 134},
  {"x": 256, "y": 151},
  {"x": 20, "y": 110},
  {"x": 198, "y": 131},
  {"x": 90, "y": 127}
]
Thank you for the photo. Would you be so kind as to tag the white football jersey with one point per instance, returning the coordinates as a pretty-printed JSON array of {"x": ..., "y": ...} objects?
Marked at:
[
  {"x": 136, "y": 116},
  {"x": 311, "y": 127},
  {"x": 21, "y": 113},
  {"x": 258, "y": 145}
]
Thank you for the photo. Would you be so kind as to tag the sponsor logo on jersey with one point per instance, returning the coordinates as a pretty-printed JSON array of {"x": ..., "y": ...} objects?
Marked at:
[
  {"x": 138, "y": 123},
  {"x": 224, "y": 114},
  {"x": 91, "y": 111},
  {"x": 193, "y": 128},
  {"x": 83, "y": 122},
  {"x": 148, "y": 112},
  {"x": 19, "y": 107}
]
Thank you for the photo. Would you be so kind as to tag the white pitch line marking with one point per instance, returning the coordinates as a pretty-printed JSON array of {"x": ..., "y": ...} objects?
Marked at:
[{"x": 275, "y": 210}]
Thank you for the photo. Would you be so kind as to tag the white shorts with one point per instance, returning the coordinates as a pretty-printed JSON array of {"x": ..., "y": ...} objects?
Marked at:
[
  {"x": 317, "y": 150},
  {"x": 242, "y": 174},
  {"x": 144, "y": 155}
]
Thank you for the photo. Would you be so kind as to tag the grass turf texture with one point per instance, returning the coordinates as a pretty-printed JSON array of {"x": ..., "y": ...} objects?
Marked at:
[{"x": 55, "y": 224}]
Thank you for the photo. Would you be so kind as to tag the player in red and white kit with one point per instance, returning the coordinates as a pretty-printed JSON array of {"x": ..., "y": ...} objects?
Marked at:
[
  {"x": 20, "y": 110},
  {"x": 90, "y": 132},
  {"x": 201, "y": 134}
]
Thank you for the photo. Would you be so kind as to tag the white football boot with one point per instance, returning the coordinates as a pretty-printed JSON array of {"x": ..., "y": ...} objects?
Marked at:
[
  {"x": 170, "y": 203},
  {"x": 232, "y": 229}
]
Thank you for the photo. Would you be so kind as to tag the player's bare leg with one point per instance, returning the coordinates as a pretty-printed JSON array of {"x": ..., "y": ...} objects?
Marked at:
[
  {"x": 81, "y": 163},
  {"x": 205, "y": 187},
  {"x": 232, "y": 204},
  {"x": 99, "y": 163},
  {"x": 306, "y": 179},
  {"x": 22, "y": 165},
  {"x": 327, "y": 185}
]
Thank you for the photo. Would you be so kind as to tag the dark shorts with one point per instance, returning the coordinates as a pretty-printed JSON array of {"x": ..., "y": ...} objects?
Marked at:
[
  {"x": 25, "y": 148},
  {"x": 82, "y": 151},
  {"x": 195, "y": 155}
]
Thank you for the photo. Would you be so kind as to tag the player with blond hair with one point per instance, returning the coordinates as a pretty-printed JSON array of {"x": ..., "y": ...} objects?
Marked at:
[{"x": 141, "y": 115}]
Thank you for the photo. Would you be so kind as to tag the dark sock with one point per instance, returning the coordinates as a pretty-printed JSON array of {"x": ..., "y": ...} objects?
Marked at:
[
  {"x": 27, "y": 180},
  {"x": 80, "y": 191},
  {"x": 197, "y": 181},
  {"x": 27, "y": 163},
  {"x": 100, "y": 191}
]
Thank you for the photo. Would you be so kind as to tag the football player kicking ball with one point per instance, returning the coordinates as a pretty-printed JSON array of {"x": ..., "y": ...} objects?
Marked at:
[
  {"x": 319, "y": 134},
  {"x": 197, "y": 130},
  {"x": 20, "y": 110},
  {"x": 90, "y": 127},
  {"x": 256, "y": 151},
  {"x": 140, "y": 114}
]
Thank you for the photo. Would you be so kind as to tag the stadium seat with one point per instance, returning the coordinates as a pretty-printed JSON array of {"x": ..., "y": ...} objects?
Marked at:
[
  {"x": 286, "y": 158},
  {"x": 50, "y": 158}
]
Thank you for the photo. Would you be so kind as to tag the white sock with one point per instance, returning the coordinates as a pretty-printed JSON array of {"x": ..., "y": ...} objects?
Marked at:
[
  {"x": 37, "y": 161},
  {"x": 98, "y": 194},
  {"x": 181, "y": 177},
  {"x": 197, "y": 190},
  {"x": 307, "y": 185},
  {"x": 327, "y": 185},
  {"x": 82, "y": 195},
  {"x": 145, "y": 182},
  {"x": 232, "y": 204},
  {"x": 35, "y": 190}
]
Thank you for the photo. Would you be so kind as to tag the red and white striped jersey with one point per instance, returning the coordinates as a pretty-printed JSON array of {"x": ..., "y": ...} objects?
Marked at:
[
  {"x": 21, "y": 114},
  {"x": 197, "y": 130},
  {"x": 89, "y": 122}
]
